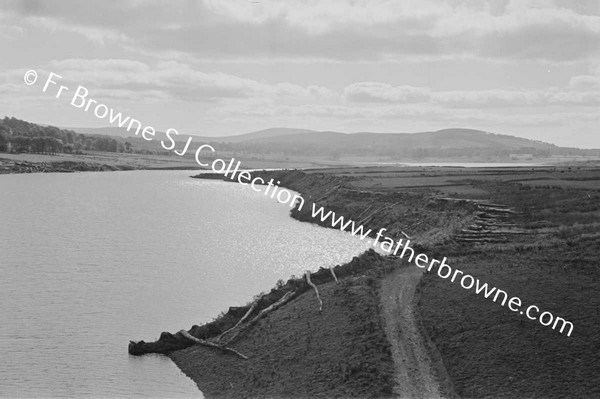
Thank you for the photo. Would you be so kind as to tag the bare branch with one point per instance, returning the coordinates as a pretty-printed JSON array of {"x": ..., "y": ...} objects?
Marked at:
[
  {"x": 315, "y": 288},
  {"x": 333, "y": 274},
  {"x": 248, "y": 313},
  {"x": 289, "y": 295},
  {"x": 211, "y": 344}
]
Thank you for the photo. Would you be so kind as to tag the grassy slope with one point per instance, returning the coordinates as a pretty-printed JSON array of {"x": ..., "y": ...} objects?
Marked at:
[
  {"x": 492, "y": 352},
  {"x": 299, "y": 352}
]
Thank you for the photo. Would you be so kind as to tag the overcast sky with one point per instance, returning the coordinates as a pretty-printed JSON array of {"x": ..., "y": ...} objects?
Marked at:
[{"x": 528, "y": 68}]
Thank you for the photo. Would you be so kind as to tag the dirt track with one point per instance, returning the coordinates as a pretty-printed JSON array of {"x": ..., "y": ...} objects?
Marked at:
[{"x": 414, "y": 373}]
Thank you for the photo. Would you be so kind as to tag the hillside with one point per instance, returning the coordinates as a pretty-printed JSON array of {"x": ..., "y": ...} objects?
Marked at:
[
  {"x": 439, "y": 144},
  {"x": 258, "y": 135},
  {"x": 447, "y": 144}
]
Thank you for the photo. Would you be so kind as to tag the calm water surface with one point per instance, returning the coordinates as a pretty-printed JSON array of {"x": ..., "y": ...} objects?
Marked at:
[{"x": 89, "y": 261}]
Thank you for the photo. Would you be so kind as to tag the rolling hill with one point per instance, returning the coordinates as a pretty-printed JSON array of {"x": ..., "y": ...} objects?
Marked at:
[{"x": 443, "y": 144}]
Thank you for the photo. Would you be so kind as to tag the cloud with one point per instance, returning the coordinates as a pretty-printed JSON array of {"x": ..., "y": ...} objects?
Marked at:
[
  {"x": 375, "y": 92},
  {"x": 170, "y": 80},
  {"x": 319, "y": 18},
  {"x": 382, "y": 92},
  {"x": 585, "y": 82},
  {"x": 520, "y": 30},
  {"x": 93, "y": 34},
  {"x": 335, "y": 29}
]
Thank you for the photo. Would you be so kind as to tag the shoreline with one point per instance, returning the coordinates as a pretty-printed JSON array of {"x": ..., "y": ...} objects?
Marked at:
[
  {"x": 459, "y": 213},
  {"x": 89, "y": 162},
  {"x": 301, "y": 351},
  {"x": 187, "y": 355},
  {"x": 13, "y": 163}
]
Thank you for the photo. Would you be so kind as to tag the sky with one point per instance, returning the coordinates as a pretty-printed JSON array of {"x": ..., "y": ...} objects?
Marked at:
[{"x": 529, "y": 68}]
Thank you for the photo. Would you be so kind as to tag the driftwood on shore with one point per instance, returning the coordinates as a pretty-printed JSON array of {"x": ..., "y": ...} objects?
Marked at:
[
  {"x": 284, "y": 299},
  {"x": 211, "y": 344},
  {"x": 316, "y": 289},
  {"x": 248, "y": 313},
  {"x": 244, "y": 318},
  {"x": 333, "y": 274}
]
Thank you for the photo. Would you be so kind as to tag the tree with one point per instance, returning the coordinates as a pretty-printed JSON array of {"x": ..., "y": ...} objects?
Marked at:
[
  {"x": 3, "y": 141},
  {"x": 38, "y": 145},
  {"x": 53, "y": 145},
  {"x": 20, "y": 143},
  {"x": 49, "y": 139}
]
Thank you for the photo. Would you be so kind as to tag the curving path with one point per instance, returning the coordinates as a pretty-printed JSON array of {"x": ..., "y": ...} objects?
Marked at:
[{"x": 414, "y": 374}]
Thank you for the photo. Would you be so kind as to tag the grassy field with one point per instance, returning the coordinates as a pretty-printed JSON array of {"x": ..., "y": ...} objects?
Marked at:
[
  {"x": 490, "y": 351},
  {"x": 459, "y": 180}
]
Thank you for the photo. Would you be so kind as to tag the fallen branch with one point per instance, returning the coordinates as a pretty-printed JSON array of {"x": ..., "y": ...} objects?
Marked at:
[
  {"x": 288, "y": 295},
  {"x": 333, "y": 274},
  {"x": 211, "y": 344},
  {"x": 315, "y": 288},
  {"x": 248, "y": 313},
  {"x": 366, "y": 218},
  {"x": 363, "y": 212}
]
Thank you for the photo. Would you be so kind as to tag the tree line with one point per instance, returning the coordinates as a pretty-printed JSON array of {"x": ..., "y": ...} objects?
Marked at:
[{"x": 20, "y": 136}]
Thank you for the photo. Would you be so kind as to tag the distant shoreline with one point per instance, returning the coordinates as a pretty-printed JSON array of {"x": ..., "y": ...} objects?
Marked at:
[
  {"x": 96, "y": 161},
  {"x": 88, "y": 162},
  {"x": 75, "y": 166}
]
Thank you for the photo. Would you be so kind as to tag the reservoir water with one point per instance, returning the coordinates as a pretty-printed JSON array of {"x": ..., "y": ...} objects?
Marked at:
[{"x": 89, "y": 261}]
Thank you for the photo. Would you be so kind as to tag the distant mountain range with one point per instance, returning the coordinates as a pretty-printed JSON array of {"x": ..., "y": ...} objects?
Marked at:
[
  {"x": 447, "y": 143},
  {"x": 261, "y": 134},
  {"x": 447, "y": 138}
]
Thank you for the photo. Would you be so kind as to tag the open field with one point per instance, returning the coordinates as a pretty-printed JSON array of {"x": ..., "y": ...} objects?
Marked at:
[
  {"x": 490, "y": 351},
  {"x": 460, "y": 180}
]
